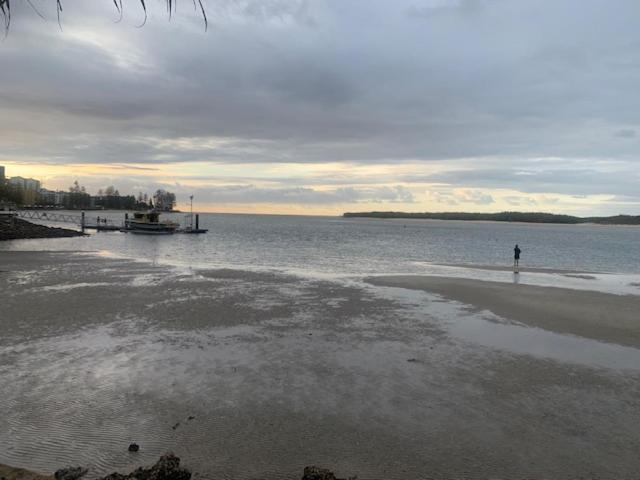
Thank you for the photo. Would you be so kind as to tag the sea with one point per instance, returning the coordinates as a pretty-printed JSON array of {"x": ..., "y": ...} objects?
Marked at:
[
  {"x": 363, "y": 245},
  {"x": 337, "y": 246}
]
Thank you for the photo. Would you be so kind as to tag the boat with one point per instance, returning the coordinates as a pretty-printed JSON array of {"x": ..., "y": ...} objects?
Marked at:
[{"x": 148, "y": 223}]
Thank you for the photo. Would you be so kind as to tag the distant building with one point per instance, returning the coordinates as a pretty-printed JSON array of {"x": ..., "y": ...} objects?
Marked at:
[
  {"x": 2, "y": 179},
  {"x": 30, "y": 189},
  {"x": 53, "y": 198},
  {"x": 26, "y": 183}
]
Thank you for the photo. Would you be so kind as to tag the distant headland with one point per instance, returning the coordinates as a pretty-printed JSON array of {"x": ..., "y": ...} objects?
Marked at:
[{"x": 525, "y": 217}]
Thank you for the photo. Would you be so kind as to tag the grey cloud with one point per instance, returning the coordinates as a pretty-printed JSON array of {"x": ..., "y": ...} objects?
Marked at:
[
  {"x": 567, "y": 181},
  {"x": 303, "y": 80},
  {"x": 332, "y": 81},
  {"x": 454, "y": 7},
  {"x": 476, "y": 196},
  {"x": 457, "y": 197},
  {"x": 302, "y": 195},
  {"x": 520, "y": 201},
  {"x": 266, "y": 10},
  {"x": 626, "y": 133}
]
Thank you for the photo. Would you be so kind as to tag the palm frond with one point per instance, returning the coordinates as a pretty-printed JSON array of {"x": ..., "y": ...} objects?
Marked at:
[{"x": 172, "y": 5}]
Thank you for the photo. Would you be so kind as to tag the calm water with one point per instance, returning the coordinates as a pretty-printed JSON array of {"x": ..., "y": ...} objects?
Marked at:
[{"x": 335, "y": 245}]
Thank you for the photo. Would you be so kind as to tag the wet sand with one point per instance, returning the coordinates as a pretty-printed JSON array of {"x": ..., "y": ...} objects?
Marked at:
[
  {"x": 599, "y": 316},
  {"x": 523, "y": 268},
  {"x": 250, "y": 375},
  {"x": 11, "y": 473}
]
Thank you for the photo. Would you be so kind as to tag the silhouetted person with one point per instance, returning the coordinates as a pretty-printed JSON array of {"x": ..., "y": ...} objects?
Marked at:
[{"x": 516, "y": 257}]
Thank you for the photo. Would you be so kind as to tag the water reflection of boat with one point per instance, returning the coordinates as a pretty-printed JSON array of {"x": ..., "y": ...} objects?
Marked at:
[{"x": 149, "y": 223}]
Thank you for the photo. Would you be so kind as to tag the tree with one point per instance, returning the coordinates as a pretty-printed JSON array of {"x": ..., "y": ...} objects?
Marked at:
[
  {"x": 172, "y": 5},
  {"x": 76, "y": 188},
  {"x": 10, "y": 193},
  {"x": 164, "y": 200}
]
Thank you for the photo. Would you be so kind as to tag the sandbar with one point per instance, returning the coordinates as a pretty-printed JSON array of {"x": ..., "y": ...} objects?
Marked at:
[{"x": 599, "y": 316}]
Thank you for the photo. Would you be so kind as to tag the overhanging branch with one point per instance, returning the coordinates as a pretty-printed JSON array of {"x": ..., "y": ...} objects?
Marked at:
[{"x": 5, "y": 10}]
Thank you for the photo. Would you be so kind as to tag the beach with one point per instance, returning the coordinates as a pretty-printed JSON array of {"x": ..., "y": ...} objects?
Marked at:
[
  {"x": 258, "y": 373},
  {"x": 599, "y": 316}
]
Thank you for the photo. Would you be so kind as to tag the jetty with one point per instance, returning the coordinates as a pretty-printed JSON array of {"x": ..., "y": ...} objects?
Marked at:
[{"x": 97, "y": 223}]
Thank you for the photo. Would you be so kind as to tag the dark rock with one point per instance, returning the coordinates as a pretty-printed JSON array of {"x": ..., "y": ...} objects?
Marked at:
[
  {"x": 134, "y": 447},
  {"x": 73, "y": 473},
  {"x": 167, "y": 468},
  {"x": 115, "y": 476},
  {"x": 315, "y": 473},
  {"x": 12, "y": 228},
  {"x": 191, "y": 417}
]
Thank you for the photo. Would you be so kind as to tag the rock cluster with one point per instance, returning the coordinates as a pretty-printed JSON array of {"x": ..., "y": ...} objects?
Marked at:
[
  {"x": 167, "y": 468},
  {"x": 315, "y": 473},
  {"x": 12, "y": 228},
  {"x": 73, "y": 473}
]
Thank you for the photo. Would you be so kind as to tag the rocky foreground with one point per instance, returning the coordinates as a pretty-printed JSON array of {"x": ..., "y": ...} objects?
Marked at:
[
  {"x": 167, "y": 468},
  {"x": 12, "y": 228}
]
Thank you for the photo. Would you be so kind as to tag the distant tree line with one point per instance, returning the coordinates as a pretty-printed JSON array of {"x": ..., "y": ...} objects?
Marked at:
[
  {"x": 77, "y": 198},
  {"x": 525, "y": 217}
]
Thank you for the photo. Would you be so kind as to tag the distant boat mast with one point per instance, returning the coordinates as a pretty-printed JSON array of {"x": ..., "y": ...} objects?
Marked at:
[{"x": 191, "y": 199}]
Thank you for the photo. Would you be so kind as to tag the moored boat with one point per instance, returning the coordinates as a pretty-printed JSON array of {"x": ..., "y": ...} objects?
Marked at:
[{"x": 149, "y": 223}]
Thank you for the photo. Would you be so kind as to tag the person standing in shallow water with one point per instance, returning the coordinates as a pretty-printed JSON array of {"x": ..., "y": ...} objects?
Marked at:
[{"x": 516, "y": 258}]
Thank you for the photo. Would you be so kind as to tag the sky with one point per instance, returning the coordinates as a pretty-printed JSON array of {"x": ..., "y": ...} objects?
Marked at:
[{"x": 327, "y": 106}]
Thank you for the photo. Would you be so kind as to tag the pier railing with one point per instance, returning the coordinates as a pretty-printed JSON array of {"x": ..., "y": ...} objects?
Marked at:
[
  {"x": 80, "y": 220},
  {"x": 50, "y": 216}
]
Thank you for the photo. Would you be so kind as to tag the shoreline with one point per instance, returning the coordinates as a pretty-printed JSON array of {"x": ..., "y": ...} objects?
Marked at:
[
  {"x": 523, "y": 269},
  {"x": 13, "y": 228},
  {"x": 13, "y": 473},
  {"x": 166, "y": 468}
]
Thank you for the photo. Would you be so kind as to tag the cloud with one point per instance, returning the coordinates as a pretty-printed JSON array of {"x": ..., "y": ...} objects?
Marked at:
[
  {"x": 626, "y": 133},
  {"x": 303, "y": 195},
  {"x": 476, "y": 196},
  {"x": 520, "y": 201},
  {"x": 570, "y": 181},
  {"x": 483, "y": 88},
  {"x": 455, "y": 197}
]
